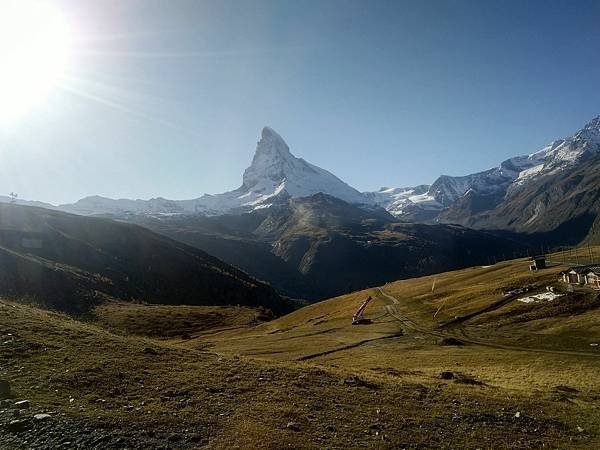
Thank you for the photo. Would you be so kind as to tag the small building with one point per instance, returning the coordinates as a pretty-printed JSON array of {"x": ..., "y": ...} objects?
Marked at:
[
  {"x": 592, "y": 277},
  {"x": 582, "y": 275},
  {"x": 538, "y": 262}
]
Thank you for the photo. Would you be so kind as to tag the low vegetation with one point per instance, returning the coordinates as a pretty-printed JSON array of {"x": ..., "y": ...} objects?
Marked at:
[{"x": 310, "y": 379}]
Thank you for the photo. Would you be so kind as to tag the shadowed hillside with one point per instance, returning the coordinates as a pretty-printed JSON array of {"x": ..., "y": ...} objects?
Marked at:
[
  {"x": 320, "y": 246},
  {"x": 72, "y": 263}
]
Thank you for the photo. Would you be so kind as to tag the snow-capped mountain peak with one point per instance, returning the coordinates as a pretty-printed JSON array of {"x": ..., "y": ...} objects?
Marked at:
[
  {"x": 272, "y": 160},
  {"x": 274, "y": 175},
  {"x": 590, "y": 132},
  {"x": 276, "y": 171}
]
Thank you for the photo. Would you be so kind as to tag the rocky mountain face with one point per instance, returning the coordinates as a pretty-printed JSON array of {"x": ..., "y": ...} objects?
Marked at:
[
  {"x": 530, "y": 193},
  {"x": 320, "y": 246},
  {"x": 540, "y": 192},
  {"x": 71, "y": 263},
  {"x": 274, "y": 176},
  {"x": 483, "y": 199}
]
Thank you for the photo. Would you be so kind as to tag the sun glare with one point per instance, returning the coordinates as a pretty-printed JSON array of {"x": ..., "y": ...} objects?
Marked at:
[{"x": 34, "y": 51}]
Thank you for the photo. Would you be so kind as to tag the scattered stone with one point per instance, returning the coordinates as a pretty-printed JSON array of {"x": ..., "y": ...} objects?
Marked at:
[
  {"x": 17, "y": 426},
  {"x": 356, "y": 381},
  {"x": 447, "y": 376},
  {"x": 41, "y": 416},
  {"x": 581, "y": 430},
  {"x": 294, "y": 426},
  {"x": 4, "y": 389},
  {"x": 518, "y": 414},
  {"x": 23, "y": 404},
  {"x": 468, "y": 380},
  {"x": 450, "y": 341},
  {"x": 150, "y": 351}
]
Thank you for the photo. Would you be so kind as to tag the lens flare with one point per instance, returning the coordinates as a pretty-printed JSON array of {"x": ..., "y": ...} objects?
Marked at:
[{"x": 34, "y": 51}]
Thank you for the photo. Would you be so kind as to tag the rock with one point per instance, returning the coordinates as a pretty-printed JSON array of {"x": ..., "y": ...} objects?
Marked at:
[
  {"x": 518, "y": 414},
  {"x": 23, "y": 404},
  {"x": 294, "y": 426},
  {"x": 468, "y": 380},
  {"x": 150, "y": 351},
  {"x": 581, "y": 430},
  {"x": 4, "y": 389},
  {"x": 566, "y": 389},
  {"x": 41, "y": 416},
  {"x": 447, "y": 376},
  {"x": 450, "y": 341},
  {"x": 17, "y": 426}
]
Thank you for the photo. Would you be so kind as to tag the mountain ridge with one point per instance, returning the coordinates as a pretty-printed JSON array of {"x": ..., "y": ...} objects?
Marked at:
[{"x": 276, "y": 175}]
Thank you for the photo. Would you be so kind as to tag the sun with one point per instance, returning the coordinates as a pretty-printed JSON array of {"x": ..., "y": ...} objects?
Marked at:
[{"x": 34, "y": 51}]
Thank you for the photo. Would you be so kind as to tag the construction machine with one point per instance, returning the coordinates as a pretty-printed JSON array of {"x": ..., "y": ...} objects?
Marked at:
[{"x": 359, "y": 318}]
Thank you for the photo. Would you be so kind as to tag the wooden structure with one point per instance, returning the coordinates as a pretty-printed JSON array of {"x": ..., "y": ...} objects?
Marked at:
[
  {"x": 582, "y": 275},
  {"x": 538, "y": 262},
  {"x": 592, "y": 277}
]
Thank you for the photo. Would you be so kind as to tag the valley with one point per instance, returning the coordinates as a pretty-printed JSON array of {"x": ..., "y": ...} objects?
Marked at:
[{"x": 271, "y": 224}]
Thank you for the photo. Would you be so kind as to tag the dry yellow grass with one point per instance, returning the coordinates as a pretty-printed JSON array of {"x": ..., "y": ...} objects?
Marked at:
[
  {"x": 169, "y": 321},
  {"x": 361, "y": 386}
]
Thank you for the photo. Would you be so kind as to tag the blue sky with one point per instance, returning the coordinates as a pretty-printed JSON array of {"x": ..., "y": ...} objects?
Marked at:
[{"x": 167, "y": 98}]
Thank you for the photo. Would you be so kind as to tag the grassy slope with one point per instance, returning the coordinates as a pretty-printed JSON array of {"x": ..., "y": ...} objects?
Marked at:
[
  {"x": 167, "y": 321},
  {"x": 240, "y": 387}
]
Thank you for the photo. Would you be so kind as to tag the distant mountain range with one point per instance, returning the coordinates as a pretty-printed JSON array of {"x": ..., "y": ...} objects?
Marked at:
[
  {"x": 274, "y": 176},
  {"x": 320, "y": 246},
  {"x": 515, "y": 195},
  {"x": 312, "y": 236}
]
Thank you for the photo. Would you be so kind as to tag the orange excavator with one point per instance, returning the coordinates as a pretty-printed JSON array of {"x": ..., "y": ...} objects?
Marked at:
[{"x": 359, "y": 318}]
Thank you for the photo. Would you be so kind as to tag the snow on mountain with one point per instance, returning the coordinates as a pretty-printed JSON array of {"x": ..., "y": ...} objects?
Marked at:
[
  {"x": 274, "y": 175},
  {"x": 18, "y": 201},
  {"x": 561, "y": 154},
  {"x": 102, "y": 205},
  {"x": 501, "y": 181},
  {"x": 397, "y": 200}
]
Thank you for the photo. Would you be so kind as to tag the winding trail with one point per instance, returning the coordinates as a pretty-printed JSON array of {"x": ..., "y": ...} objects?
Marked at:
[{"x": 410, "y": 324}]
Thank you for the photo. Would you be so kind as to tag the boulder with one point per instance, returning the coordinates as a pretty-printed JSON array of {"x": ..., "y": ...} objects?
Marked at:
[
  {"x": 4, "y": 389},
  {"x": 17, "y": 426},
  {"x": 450, "y": 341}
]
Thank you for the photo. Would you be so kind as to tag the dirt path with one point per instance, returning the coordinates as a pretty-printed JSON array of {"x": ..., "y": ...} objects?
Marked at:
[{"x": 410, "y": 324}]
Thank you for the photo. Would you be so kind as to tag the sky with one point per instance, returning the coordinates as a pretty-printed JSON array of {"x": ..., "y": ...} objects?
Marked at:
[{"x": 168, "y": 98}]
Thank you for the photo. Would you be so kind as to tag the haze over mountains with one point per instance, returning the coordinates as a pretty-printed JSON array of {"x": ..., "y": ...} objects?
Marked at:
[
  {"x": 73, "y": 263},
  {"x": 486, "y": 199},
  {"x": 320, "y": 246},
  {"x": 312, "y": 236}
]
